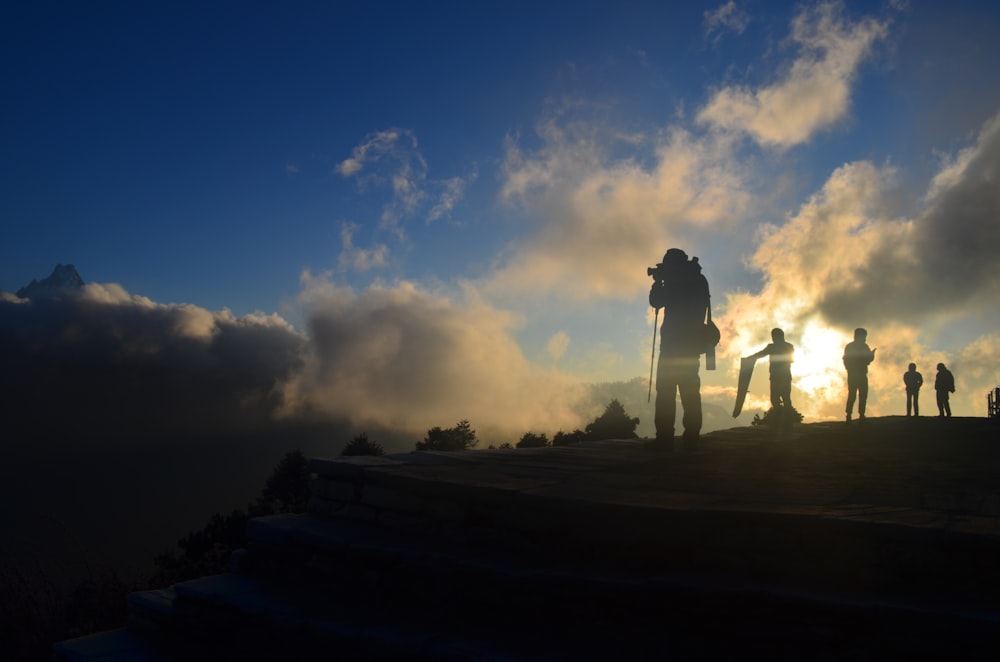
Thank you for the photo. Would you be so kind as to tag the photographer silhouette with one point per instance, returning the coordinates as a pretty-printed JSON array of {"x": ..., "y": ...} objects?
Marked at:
[{"x": 680, "y": 289}]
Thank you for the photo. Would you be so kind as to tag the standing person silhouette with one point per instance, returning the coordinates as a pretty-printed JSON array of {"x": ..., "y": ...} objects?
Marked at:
[
  {"x": 780, "y": 368},
  {"x": 913, "y": 380},
  {"x": 944, "y": 383},
  {"x": 680, "y": 289},
  {"x": 857, "y": 356}
]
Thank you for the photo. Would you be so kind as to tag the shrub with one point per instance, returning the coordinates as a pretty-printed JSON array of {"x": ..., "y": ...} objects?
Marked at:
[
  {"x": 459, "y": 438},
  {"x": 777, "y": 416},
  {"x": 562, "y": 438},
  {"x": 361, "y": 445},
  {"x": 532, "y": 440}
]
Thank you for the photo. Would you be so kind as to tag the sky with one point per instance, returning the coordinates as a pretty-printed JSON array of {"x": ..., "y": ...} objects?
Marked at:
[{"x": 401, "y": 215}]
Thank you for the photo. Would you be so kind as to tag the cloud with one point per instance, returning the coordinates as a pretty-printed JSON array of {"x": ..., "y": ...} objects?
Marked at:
[
  {"x": 116, "y": 365},
  {"x": 726, "y": 18},
  {"x": 359, "y": 259},
  {"x": 393, "y": 361},
  {"x": 603, "y": 217},
  {"x": 943, "y": 261},
  {"x": 813, "y": 94},
  {"x": 845, "y": 260},
  {"x": 411, "y": 359},
  {"x": 557, "y": 344},
  {"x": 391, "y": 160},
  {"x": 452, "y": 192}
]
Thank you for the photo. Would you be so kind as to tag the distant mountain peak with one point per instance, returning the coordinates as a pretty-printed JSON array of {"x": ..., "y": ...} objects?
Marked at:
[{"x": 64, "y": 279}]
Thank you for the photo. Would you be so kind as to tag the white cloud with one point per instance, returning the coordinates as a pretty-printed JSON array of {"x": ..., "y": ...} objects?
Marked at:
[
  {"x": 452, "y": 192},
  {"x": 410, "y": 359},
  {"x": 557, "y": 345},
  {"x": 844, "y": 261},
  {"x": 725, "y": 18},
  {"x": 603, "y": 218},
  {"x": 359, "y": 259},
  {"x": 814, "y": 93},
  {"x": 391, "y": 160}
]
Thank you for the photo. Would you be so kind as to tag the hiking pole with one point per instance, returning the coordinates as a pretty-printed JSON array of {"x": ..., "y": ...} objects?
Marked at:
[{"x": 652, "y": 358}]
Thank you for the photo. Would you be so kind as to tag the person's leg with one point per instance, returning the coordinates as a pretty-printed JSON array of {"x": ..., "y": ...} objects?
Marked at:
[
  {"x": 947, "y": 404},
  {"x": 909, "y": 403},
  {"x": 781, "y": 391},
  {"x": 689, "y": 384},
  {"x": 666, "y": 399},
  {"x": 862, "y": 396},
  {"x": 852, "y": 393},
  {"x": 916, "y": 403}
]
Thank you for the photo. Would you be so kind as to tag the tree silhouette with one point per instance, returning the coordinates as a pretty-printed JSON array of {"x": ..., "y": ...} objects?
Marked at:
[
  {"x": 532, "y": 440},
  {"x": 459, "y": 438},
  {"x": 287, "y": 489},
  {"x": 207, "y": 550},
  {"x": 361, "y": 445},
  {"x": 614, "y": 423},
  {"x": 563, "y": 438}
]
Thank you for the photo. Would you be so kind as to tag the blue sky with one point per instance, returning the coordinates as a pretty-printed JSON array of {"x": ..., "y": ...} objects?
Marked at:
[{"x": 471, "y": 192}]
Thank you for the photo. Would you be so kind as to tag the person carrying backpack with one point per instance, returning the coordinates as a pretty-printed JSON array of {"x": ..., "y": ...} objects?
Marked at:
[{"x": 680, "y": 289}]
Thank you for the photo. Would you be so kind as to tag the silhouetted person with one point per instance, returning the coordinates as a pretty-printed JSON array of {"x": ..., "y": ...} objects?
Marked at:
[
  {"x": 913, "y": 381},
  {"x": 857, "y": 356},
  {"x": 944, "y": 384},
  {"x": 682, "y": 291},
  {"x": 780, "y": 368}
]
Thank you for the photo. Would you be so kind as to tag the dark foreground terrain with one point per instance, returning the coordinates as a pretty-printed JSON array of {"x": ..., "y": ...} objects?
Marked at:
[{"x": 878, "y": 540}]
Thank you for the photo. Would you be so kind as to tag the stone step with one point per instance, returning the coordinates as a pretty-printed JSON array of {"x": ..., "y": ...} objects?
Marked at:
[
  {"x": 282, "y": 621},
  {"x": 151, "y": 611},
  {"x": 122, "y": 645},
  {"x": 750, "y": 548},
  {"x": 406, "y": 574}
]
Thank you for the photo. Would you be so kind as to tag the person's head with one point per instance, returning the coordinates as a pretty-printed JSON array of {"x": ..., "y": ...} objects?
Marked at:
[
  {"x": 913, "y": 367},
  {"x": 777, "y": 335},
  {"x": 674, "y": 256},
  {"x": 860, "y": 334},
  {"x": 941, "y": 366}
]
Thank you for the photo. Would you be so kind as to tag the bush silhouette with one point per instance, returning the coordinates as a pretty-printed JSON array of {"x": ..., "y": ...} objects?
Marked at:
[
  {"x": 777, "y": 416},
  {"x": 532, "y": 440},
  {"x": 459, "y": 438},
  {"x": 207, "y": 551},
  {"x": 563, "y": 438},
  {"x": 361, "y": 445},
  {"x": 287, "y": 489},
  {"x": 614, "y": 423}
]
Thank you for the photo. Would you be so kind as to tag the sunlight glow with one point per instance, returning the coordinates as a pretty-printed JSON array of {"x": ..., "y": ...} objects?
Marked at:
[{"x": 818, "y": 370}]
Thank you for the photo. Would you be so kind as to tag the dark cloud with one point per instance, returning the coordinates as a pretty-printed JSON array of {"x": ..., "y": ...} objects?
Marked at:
[
  {"x": 944, "y": 261},
  {"x": 127, "y": 424},
  {"x": 105, "y": 364}
]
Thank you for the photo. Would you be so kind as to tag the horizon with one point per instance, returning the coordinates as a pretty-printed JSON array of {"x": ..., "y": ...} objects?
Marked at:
[{"x": 384, "y": 223}]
